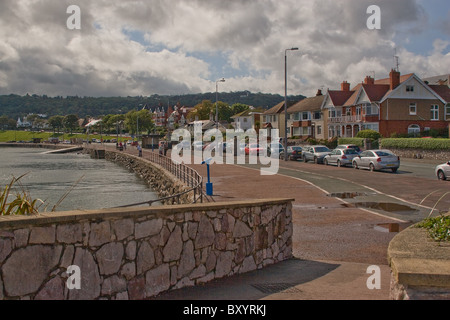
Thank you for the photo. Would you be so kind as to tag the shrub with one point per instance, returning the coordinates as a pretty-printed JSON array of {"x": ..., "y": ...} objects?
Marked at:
[
  {"x": 357, "y": 141},
  {"x": 416, "y": 143},
  {"x": 369, "y": 134},
  {"x": 438, "y": 228}
]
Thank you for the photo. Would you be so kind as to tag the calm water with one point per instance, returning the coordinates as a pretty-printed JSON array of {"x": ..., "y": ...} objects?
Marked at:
[{"x": 49, "y": 176}]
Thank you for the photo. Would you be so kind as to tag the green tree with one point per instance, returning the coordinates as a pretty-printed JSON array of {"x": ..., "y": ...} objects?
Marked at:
[
  {"x": 138, "y": 120},
  {"x": 369, "y": 134},
  {"x": 70, "y": 122},
  {"x": 238, "y": 108}
]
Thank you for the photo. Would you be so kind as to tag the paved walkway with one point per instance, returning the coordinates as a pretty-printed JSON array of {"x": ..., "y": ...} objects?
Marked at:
[{"x": 332, "y": 245}]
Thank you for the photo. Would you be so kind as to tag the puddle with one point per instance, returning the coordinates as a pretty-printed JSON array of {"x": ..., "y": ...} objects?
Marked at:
[
  {"x": 346, "y": 195},
  {"x": 386, "y": 206}
]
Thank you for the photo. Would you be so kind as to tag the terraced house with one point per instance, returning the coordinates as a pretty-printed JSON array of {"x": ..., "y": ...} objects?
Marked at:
[{"x": 395, "y": 105}]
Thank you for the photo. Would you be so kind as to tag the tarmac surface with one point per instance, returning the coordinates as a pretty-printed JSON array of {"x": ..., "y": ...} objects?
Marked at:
[{"x": 333, "y": 245}]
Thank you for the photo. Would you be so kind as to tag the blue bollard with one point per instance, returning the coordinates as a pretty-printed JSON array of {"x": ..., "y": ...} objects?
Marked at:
[{"x": 209, "y": 185}]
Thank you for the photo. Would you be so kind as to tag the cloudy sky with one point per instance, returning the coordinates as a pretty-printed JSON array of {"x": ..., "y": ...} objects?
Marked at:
[{"x": 137, "y": 47}]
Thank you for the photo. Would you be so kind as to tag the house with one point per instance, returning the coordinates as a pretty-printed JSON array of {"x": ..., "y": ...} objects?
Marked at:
[
  {"x": 332, "y": 106},
  {"x": 395, "y": 105},
  {"x": 274, "y": 118},
  {"x": 248, "y": 119},
  {"x": 305, "y": 118}
]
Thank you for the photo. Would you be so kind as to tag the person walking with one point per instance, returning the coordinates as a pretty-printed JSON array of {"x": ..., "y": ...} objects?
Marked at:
[{"x": 139, "y": 150}]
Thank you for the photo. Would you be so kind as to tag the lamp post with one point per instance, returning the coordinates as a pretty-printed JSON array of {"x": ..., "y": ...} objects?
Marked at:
[
  {"x": 217, "y": 109},
  {"x": 285, "y": 101}
]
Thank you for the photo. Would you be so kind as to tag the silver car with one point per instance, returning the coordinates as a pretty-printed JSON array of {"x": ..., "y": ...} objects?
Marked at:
[
  {"x": 443, "y": 171},
  {"x": 341, "y": 157},
  {"x": 377, "y": 160}
]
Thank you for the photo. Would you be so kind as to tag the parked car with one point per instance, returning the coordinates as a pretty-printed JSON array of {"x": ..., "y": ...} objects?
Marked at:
[
  {"x": 273, "y": 149},
  {"x": 349, "y": 146},
  {"x": 341, "y": 157},
  {"x": 315, "y": 153},
  {"x": 377, "y": 160},
  {"x": 443, "y": 171},
  {"x": 253, "y": 149},
  {"x": 294, "y": 153}
]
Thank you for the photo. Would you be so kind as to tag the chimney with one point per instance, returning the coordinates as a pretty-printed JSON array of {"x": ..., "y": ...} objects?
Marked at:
[
  {"x": 369, "y": 80},
  {"x": 319, "y": 93},
  {"x": 394, "y": 79},
  {"x": 345, "y": 86}
]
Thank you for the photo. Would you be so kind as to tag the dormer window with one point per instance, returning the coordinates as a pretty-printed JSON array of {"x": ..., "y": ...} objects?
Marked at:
[{"x": 409, "y": 88}]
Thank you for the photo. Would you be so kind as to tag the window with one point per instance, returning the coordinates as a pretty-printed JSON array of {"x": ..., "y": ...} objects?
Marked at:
[
  {"x": 319, "y": 130},
  {"x": 414, "y": 130},
  {"x": 412, "y": 109},
  {"x": 306, "y": 116},
  {"x": 317, "y": 115},
  {"x": 434, "y": 112},
  {"x": 371, "y": 110},
  {"x": 409, "y": 88},
  {"x": 447, "y": 112}
]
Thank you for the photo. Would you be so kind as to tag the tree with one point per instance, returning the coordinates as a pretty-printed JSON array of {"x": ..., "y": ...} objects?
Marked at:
[
  {"x": 70, "y": 122},
  {"x": 138, "y": 120},
  {"x": 238, "y": 108},
  {"x": 206, "y": 109}
]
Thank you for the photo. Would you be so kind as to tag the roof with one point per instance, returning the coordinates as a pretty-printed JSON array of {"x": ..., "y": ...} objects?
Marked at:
[
  {"x": 279, "y": 107},
  {"x": 442, "y": 90},
  {"x": 248, "y": 113},
  {"x": 308, "y": 104},
  {"x": 439, "y": 80},
  {"x": 388, "y": 80},
  {"x": 375, "y": 92},
  {"x": 338, "y": 98}
]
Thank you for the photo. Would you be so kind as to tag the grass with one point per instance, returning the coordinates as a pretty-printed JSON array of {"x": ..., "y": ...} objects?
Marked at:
[{"x": 11, "y": 135}]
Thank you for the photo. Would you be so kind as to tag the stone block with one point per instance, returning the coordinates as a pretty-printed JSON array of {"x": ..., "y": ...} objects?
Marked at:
[
  {"x": 174, "y": 245},
  {"x": 205, "y": 233},
  {"x": 26, "y": 269},
  {"x": 5, "y": 248},
  {"x": 109, "y": 258},
  {"x": 187, "y": 260},
  {"x": 157, "y": 280},
  {"x": 69, "y": 233},
  {"x": 147, "y": 228},
  {"x": 43, "y": 235},
  {"x": 123, "y": 228},
  {"x": 145, "y": 259},
  {"x": 52, "y": 290},
  {"x": 100, "y": 233},
  {"x": 90, "y": 276}
]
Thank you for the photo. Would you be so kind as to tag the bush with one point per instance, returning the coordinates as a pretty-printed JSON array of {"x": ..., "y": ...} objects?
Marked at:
[
  {"x": 357, "y": 141},
  {"x": 416, "y": 143},
  {"x": 369, "y": 134}
]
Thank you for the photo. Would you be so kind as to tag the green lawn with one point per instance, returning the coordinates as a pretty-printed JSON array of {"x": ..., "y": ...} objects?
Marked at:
[{"x": 12, "y": 135}]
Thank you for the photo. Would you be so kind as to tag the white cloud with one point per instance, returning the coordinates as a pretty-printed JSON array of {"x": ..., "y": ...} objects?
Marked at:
[{"x": 136, "y": 47}]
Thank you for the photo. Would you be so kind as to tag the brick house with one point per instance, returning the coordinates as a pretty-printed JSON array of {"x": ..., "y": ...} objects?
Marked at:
[{"x": 395, "y": 105}]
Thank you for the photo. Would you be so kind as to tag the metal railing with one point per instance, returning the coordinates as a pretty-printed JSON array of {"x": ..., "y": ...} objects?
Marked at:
[{"x": 188, "y": 176}]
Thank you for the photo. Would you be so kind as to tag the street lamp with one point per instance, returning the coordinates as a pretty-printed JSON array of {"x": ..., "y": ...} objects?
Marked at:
[
  {"x": 217, "y": 109},
  {"x": 285, "y": 101}
]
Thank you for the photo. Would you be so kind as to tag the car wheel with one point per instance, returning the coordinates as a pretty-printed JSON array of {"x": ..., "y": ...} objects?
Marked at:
[
  {"x": 441, "y": 175},
  {"x": 305, "y": 160},
  {"x": 371, "y": 167},
  {"x": 325, "y": 162},
  {"x": 355, "y": 165},
  {"x": 394, "y": 170},
  {"x": 315, "y": 160},
  {"x": 339, "y": 163}
]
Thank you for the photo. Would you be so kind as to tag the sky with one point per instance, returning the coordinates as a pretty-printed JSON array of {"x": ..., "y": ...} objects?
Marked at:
[{"x": 172, "y": 47}]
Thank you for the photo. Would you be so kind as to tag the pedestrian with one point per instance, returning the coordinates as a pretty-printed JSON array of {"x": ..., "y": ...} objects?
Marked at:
[{"x": 140, "y": 150}]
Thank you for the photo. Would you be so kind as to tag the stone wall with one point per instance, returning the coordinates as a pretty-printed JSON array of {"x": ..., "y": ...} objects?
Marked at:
[
  {"x": 160, "y": 180},
  {"x": 420, "y": 267},
  {"x": 139, "y": 253},
  {"x": 442, "y": 155}
]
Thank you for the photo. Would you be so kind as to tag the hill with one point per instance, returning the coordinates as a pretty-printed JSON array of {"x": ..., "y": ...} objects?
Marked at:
[{"x": 14, "y": 106}]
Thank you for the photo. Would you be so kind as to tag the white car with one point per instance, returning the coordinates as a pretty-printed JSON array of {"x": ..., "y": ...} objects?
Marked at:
[{"x": 443, "y": 171}]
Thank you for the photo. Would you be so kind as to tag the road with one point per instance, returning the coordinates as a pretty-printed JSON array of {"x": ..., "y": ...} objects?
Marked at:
[{"x": 408, "y": 195}]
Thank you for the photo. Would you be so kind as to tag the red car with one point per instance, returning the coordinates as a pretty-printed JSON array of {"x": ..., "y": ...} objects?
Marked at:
[{"x": 253, "y": 149}]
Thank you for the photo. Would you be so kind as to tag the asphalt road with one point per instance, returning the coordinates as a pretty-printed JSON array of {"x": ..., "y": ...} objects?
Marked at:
[{"x": 410, "y": 195}]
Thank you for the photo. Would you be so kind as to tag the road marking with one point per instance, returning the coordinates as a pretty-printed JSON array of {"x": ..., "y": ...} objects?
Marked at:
[{"x": 326, "y": 192}]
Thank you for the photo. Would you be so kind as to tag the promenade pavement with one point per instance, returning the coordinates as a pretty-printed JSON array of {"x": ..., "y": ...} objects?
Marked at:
[{"x": 333, "y": 245}]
